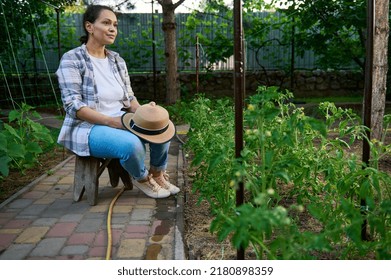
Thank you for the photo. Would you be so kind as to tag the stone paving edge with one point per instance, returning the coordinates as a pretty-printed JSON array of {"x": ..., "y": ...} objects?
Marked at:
[{"x": 179, "y": 245}]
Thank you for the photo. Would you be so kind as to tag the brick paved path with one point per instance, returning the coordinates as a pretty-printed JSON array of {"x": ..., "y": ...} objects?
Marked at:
[{"x": 43, "y": 222}]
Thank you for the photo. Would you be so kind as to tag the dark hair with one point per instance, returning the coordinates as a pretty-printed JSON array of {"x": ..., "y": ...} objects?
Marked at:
[{"x": 91, "y": 15}]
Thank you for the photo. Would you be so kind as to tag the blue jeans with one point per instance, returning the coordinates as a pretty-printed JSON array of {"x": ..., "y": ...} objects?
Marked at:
[{"x": 108, "y": 142}]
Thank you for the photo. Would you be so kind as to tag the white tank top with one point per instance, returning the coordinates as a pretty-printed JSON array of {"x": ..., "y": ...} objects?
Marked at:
[{"x": 110, "y": 92}]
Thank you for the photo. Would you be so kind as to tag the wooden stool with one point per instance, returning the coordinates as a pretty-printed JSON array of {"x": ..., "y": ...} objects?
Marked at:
[{"x": 88, "y": 171}]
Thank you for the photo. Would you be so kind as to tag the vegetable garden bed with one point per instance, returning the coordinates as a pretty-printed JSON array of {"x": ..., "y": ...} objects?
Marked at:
[{"x": 303, "y": 180}]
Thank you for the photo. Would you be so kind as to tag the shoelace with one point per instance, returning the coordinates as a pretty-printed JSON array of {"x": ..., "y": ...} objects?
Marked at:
[
  {"x": 154, "y": 185},
  {"x": 163, "y": 181},
  {"x": 166, "y": 176}
]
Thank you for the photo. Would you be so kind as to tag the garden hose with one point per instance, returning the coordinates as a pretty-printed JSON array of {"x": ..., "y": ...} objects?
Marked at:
[
  {"x": 181, "y": 132},
  {"x": 110, "y": 212},
  {"x": 109, "y": 234}
]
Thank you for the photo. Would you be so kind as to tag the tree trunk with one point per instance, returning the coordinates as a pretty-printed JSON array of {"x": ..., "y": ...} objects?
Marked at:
[
  {"x": 169, "y": 29},
  {"x": 380, "y": 67}
]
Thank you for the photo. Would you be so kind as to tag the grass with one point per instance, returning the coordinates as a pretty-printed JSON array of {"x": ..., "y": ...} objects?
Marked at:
[
  {"x": 343, "y": 101},
  {"x": 333, "y": 99}
]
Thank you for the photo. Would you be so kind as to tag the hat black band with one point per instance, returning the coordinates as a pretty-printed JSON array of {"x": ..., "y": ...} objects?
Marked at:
[{"x": 146, "y": 131}]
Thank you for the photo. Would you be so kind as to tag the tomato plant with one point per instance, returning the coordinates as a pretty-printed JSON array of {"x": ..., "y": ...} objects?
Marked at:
[{"x": 291, "y": 164}]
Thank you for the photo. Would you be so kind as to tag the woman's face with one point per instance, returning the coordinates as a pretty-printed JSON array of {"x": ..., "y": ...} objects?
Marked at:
[{"x": 104, "y": 29}]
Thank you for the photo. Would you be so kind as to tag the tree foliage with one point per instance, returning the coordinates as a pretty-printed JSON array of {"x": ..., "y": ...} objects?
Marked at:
[
  {"x": 20, "y": 18},
  {"x": 216, "y": 35},
  {"x": 334, "y": 30},
  {"x": 120, "y": 5}
]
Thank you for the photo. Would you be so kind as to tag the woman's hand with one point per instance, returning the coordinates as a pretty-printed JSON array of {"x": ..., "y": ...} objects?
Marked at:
[
  {"x": 116, "y": 122},
  {"x": 133, "y": 106}
]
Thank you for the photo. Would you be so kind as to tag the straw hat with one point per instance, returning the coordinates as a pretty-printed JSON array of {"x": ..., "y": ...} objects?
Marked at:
[{"x": 150, "y": 122}]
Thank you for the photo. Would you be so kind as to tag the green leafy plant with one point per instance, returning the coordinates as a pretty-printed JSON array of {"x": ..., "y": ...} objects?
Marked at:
[
  {"x": 292, "y": 166},
  {"x": 22, "y": 140},
  {"x": 210, "y": 139}
]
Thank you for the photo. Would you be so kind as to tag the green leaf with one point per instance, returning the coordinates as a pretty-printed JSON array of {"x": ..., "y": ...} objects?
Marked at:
[
  {"x": 37, "y": 127},
  {"x": 14, "y": 115},
  {"x": 4, "y": 169},
  {"x": 315, "y": 211},
  {"x": 3, "y": 142},
  {"x": 16, "y": 150},
  {"x": 33, "y": 147},
  {"x": 353, "y": 231},
  {"x": 26, "y": 107},
  {"x": 283, "y": 175},
  {"x": 224, "y": 232},
  {"x": 215, "y": 161},
  {"x": 365, "y": 188},
  {"x": 197, "y": 159},
  {"x": 241, "y": 238},
  {"x": 318, "y": 125},
  {"x": 12, "y": 131},
  {"x": 269, "y": 155}
]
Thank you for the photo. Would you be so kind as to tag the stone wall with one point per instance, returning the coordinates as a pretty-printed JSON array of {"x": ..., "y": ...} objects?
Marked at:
[
  {"x": 305, "y": 83},
  {"x": 39, "y": 89}
]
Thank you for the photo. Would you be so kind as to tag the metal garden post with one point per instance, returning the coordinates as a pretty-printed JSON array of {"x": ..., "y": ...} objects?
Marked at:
[
  {"x": 153, "y": 52},
  {"x": 367, "y": 106},
  {"x": 239, "y": 97}
]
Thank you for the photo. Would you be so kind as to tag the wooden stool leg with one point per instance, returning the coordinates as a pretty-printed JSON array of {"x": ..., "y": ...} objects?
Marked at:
[
  {"x": 116, "y": 171},
  {"x": 86, "y": 179},
  {"x": 113, "y": 169},
  {"x": 87, "y": 173},
  {"x": 78, "y": 180},
  {"x": 126, "y": 179}
]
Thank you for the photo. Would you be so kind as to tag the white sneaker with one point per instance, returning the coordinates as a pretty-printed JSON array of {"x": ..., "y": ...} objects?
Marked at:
[
  {"x": 151, "y": 188},
  {"x": 164, "y": 182}
]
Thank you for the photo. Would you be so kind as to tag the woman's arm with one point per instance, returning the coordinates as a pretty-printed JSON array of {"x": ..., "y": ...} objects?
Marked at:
[{"x": 94, "y": 117}]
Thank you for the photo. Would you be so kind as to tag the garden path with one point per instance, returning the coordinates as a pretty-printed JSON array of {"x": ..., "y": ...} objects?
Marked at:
[{"x": 42, "y": 221}]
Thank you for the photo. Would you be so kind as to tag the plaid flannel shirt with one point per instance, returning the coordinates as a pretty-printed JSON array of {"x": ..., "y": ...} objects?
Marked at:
[{"x": 78, "y": 89}]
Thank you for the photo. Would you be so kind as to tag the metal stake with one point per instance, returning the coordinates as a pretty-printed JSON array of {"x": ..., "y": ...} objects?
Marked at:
[
  {"x": 367, "y": 106},
  {"x": 153, "y": 54},
  {"x": 197, "y": 65},
  {"x": 239, "y": 97}
]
